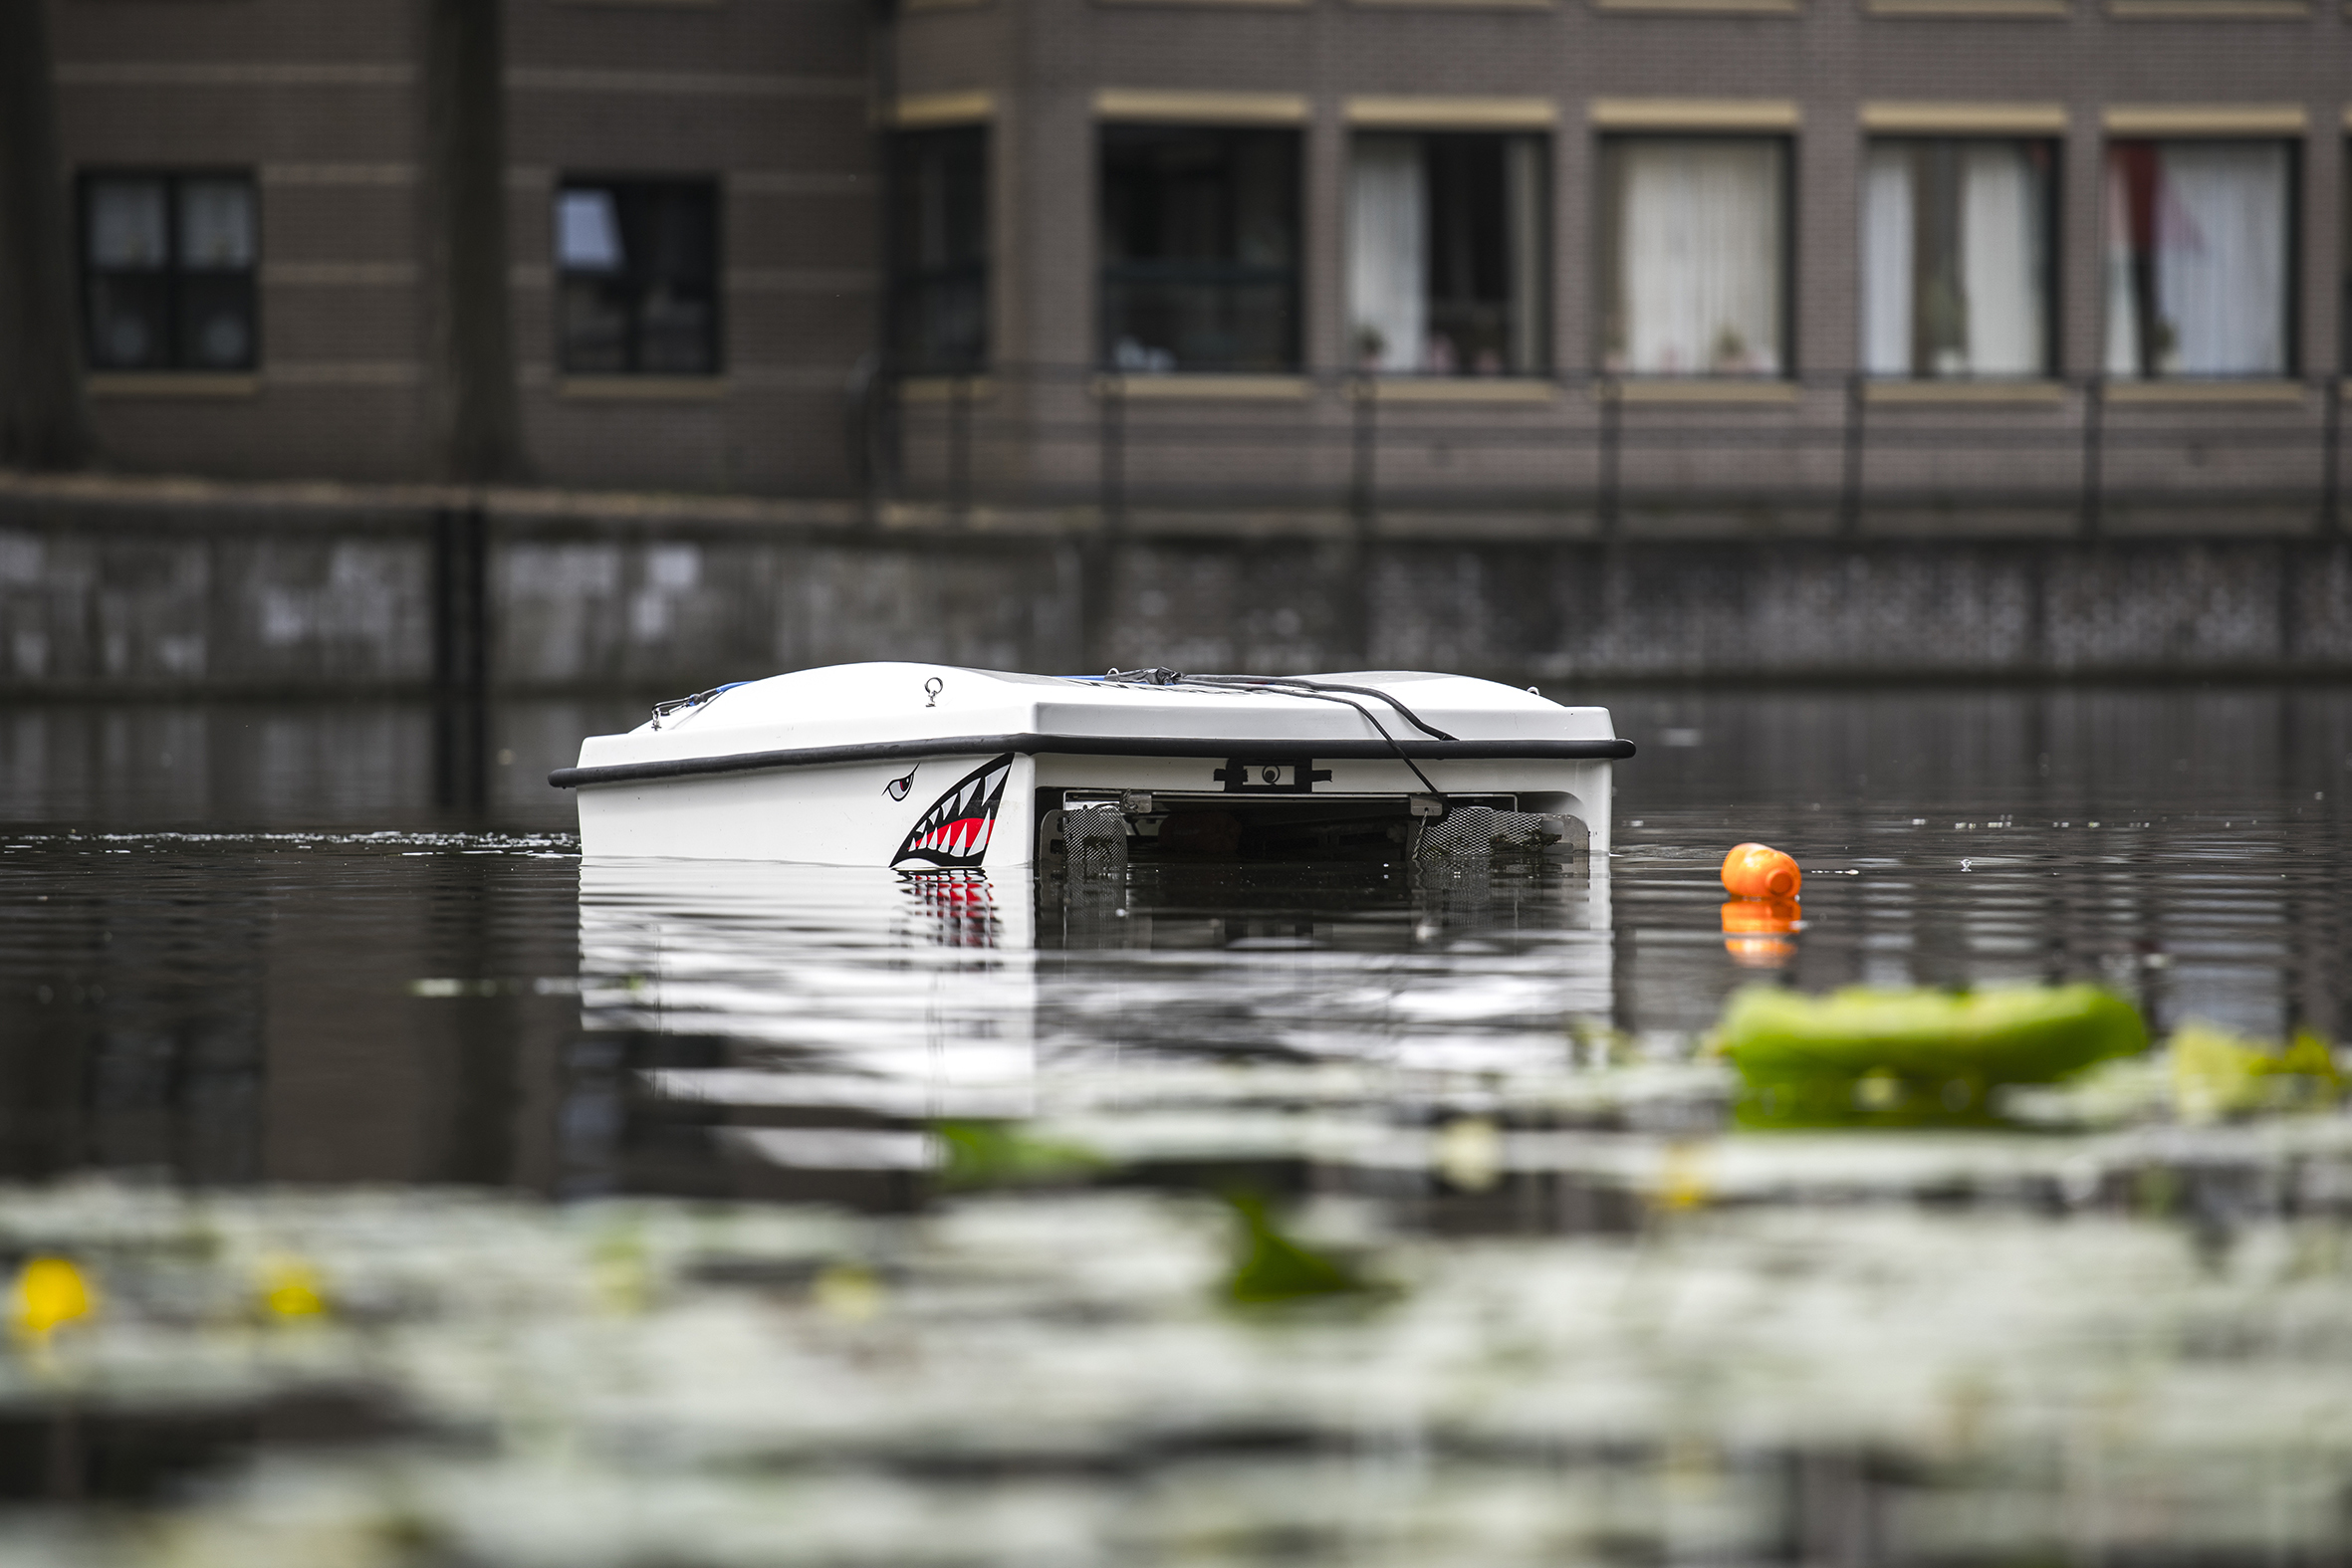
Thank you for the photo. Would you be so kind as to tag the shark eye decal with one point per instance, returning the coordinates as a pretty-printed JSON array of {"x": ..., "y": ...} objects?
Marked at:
[
  {"x": 953, "y": 834},
  {"x": 898, "y": 787}
]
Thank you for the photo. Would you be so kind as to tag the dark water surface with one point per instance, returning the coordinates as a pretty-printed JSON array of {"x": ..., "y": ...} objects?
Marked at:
[
  {"x": 248, "y": 943},
  {"x": 303, "y": 1011}
]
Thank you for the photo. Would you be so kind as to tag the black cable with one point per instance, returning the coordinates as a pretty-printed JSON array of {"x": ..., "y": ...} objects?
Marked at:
[
  {"x": 1412, "y": 718},
  {"x": 1320, "y": 696},
  {"x": 1292, "y": 686}
]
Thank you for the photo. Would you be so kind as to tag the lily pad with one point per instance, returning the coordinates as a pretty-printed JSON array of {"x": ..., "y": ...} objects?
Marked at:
[{"x": 1912, "y": 1057}]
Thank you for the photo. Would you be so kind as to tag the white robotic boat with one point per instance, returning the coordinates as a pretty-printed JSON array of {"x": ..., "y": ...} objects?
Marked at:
[{"x": 927, "y": 768}]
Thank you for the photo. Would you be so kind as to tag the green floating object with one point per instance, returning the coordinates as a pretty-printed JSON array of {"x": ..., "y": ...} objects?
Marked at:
[
  {"x": 1002, "y": 1154},
  {"x": 1275, "y": 1269},
  {"x": 2215, "y": 1074},
  {"x": 1912, "y": 1057}
]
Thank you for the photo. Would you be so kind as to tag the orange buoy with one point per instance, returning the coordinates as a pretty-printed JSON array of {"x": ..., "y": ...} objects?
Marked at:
[
  {"x": 1758, "y": 932},
  {"x": 1760, "y": 871},
  {"x": 1769, "y": 917}
]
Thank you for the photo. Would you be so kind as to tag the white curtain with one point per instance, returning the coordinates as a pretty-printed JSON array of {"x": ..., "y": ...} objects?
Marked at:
[
  {"x": 2221, "y": 257},
  {"x": 2218, "y": 233},
  {"x": 1387, "y": 253},
  {"x": 1699, "y": 257},
  {"x": 2123, "y": 319},
  {"x": 588, "y": 231},
  {"x": 2001, "y": 267},
  {"x": 216, "y": 223},
  {"x": 1887, "y": 228},
  {"x": 127, "y": 223}
]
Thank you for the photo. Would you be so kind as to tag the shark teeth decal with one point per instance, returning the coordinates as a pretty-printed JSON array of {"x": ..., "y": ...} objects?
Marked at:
[{"x": 953, "y": 834}]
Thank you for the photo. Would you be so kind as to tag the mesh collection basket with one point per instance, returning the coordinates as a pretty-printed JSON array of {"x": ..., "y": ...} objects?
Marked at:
[
  {"x": 1479, "y": 832},
  {"x": 1093, "y": 843}
]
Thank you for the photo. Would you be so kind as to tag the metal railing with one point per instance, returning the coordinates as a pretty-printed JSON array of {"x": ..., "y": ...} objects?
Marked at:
[{"x": 1596, "y": 452}]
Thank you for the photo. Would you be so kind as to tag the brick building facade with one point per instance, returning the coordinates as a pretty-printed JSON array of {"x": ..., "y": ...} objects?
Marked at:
[
  {"x": 1241, "y": 225},
  {"x": 319, "y": 104}
]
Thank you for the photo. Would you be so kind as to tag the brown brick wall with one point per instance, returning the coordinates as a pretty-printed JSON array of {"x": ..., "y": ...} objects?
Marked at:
[
  {"x": 1830, "y": 56},
  {"x": 771, "y": 99},
  {"x": 318, "y": 98}
]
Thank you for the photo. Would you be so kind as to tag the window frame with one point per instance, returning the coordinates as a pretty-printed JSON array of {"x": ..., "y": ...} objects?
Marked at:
[
  {"x": 1543, "y": 306},
  {"x": 2290, "y": 241},
  {"x": 632, "y": 338},
  {"x": 1292, "y": 278},
  {"x": 173, "y": 271},
  {"x": 1607, "y": 189},
  {"x": 2053, "y": 274}
]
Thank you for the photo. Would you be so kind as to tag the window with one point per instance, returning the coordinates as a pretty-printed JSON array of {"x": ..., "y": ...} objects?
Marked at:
[
  {"x": 1446, "y": 254},
  {"x": 639, "y": 262},
  {"x": 1693, "y": 255},
  {"x": 167, "y": 264},
  {"x": 939, "y": 249},
  {"x": 1200, "y": 249},
  {"x": 2199, "y": 236},
  {"x": 1956, "y": 257}
]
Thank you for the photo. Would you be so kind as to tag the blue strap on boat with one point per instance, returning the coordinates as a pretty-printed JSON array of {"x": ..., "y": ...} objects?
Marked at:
[{"x": 662, "y": 709}]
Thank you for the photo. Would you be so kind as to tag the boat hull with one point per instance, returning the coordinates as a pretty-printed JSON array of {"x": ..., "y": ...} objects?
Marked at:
[{"x": 983, "y": 810}]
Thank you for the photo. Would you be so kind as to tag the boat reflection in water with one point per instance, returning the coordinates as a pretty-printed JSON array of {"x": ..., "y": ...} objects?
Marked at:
[{"x": 793, "y": 1030}]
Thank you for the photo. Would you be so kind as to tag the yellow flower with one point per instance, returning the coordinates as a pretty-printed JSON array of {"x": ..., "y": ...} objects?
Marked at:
[
  {"x": 848, "y": 1293},
  {"x": 290, "y": 1288},
  {"x": 1681, "y": 1182},
  {"x": 50, "y": 1292}
]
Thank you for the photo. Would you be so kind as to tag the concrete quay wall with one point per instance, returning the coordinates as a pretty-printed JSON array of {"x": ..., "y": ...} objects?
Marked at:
[{"x": 216, "y": 595}]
